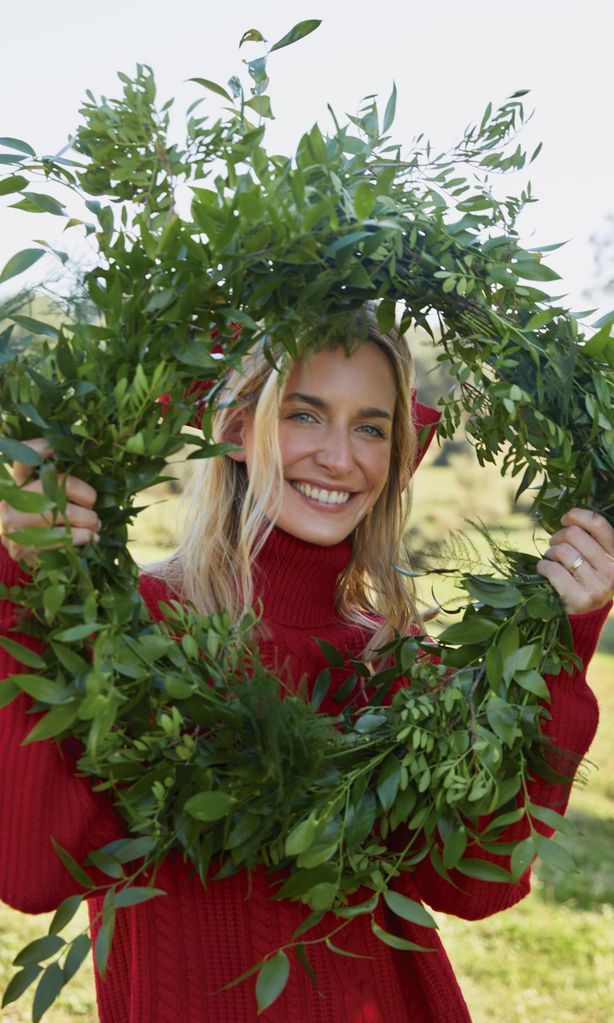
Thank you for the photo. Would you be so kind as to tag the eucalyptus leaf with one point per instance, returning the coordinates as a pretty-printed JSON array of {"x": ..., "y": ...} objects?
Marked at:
[{"x": 272, "y": 979}]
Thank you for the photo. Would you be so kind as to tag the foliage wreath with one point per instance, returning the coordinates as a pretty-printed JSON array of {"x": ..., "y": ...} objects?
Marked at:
[{"x": 194, "y": 757}]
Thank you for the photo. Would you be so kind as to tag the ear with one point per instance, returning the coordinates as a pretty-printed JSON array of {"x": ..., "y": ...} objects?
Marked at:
[{"x": 233, "y": 434}]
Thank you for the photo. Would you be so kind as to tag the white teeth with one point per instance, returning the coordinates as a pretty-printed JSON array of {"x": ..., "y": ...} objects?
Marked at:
[{"x": 325, "y": 496}]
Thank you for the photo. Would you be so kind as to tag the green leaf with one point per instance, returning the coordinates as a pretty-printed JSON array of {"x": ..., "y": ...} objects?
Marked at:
[
  {"x": 77, "y": 954},
  {"x": 522, "y": 856},
  {"x": 22, "y": 653},
  {"x": 320, "y": 688},
  {"x": 9, "y": 690},
  {"x": 20, "y": 452},
  {"x": 36, "y": 326},
  {"x": 302, "y": 29},
  {"x": 20, "y": 983},
  {"x": 64, "y": 913},
  {"x": 20, "y": 262},
  {"x": 533, "y": 682},
  {"x": 272, "y": 979},
  {"x": 301, "y": 837},
  {"x": 395, "y": 942},
  {"x": 367, "y": 723},
  {"x": 390, "y": 110},
  {"x": 13, "y": 184},
  {"x": 209, "y": 806},
  {"x": 532, "y": 270},
  {"x": 301, "y": 955},
  {"x": 554, "y": 854},
  {"x": 47, "y": 990},
  {"x": 408, "y": 909},
  {"x": 78, "y": 632},
  {"x": 360, "y": 909},
  {"x": 454, "y": 847},
  {"x": 388, "y": 780},
  {"x": 55, "y": 722},
  {"x": 212, "y": 86},
  {"x": 333, "y": 656},
  {"x": 72, "y": 866},
  {"x": 39, "y": 950},
  {"x": 17, "y": 144},
  {"x": 39, "y": 688},
  {"x": 386, "y": 312},
  {"x": 470, "y": 630},
  {"x": 541, "y": 318},
  {"x": 253, "y": 35},
  {"x": 551, "y": 818},
  {"x": 484, "y": 870},
  {"x": 322, "y": 895},
  {"x": 104, "y": 939},
  {"x": 261, "y": 104},
  {"x": 38, "y": 202},
  {"x": 24, "y": 500},
  {"x": 134, "y": 896},
  {"x": 125, "y": 850},
  {"x": 344, "y": 951},
  {"x": 364, "y": 199}
]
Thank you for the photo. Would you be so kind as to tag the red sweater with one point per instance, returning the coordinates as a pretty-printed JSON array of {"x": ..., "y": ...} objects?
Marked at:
[{"x": 171, "y": 956}]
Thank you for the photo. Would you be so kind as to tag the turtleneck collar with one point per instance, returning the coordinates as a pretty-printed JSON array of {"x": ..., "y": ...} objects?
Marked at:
[{"x": 296, "y": 580}]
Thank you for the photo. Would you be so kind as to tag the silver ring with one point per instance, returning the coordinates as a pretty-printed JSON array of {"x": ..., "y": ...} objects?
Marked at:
[{"x": 576, "y": 565}]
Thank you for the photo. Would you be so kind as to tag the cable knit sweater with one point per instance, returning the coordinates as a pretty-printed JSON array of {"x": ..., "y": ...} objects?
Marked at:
[{"x": 172, "y": 956}]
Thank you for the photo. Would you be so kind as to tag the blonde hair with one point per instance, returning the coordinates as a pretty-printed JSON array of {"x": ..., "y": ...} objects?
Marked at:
[{"x": 229, "y": 517}]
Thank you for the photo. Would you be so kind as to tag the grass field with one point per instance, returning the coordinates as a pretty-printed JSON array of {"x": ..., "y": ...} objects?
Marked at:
[{"x": 550, "y": 959}]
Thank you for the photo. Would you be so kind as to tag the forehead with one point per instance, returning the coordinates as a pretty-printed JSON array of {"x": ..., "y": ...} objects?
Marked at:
[{"x": 363, "y": 377}]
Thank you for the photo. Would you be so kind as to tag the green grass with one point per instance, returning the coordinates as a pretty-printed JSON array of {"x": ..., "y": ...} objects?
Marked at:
[{"x": 548, "y": 959}]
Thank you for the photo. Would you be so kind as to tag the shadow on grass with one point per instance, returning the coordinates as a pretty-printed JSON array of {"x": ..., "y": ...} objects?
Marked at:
[{"x": 592, "y": 885}]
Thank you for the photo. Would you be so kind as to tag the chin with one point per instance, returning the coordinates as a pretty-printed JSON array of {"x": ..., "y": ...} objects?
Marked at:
[{"x": 320, "y": 534}]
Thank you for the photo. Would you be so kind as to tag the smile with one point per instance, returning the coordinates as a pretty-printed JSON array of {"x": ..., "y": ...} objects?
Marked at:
[{"x": 320, "y": 495}]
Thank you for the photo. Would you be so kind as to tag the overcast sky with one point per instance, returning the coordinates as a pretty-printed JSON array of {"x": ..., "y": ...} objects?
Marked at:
[{"x": 448, "y": 58}]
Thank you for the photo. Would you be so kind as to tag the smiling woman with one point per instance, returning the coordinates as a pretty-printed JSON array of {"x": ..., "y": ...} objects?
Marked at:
[
  {"x": 326, "y": 450},
  {"x": 305, "y": 517}
]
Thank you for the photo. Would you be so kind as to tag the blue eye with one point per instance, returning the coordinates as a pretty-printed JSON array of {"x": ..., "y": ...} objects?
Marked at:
[
  {"x": 373, "y": 431},
  {"x": 302, "y": 417}
]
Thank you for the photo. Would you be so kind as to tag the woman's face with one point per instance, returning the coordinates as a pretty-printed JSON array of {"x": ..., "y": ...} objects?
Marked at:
[{"x": 335, "y": 435}]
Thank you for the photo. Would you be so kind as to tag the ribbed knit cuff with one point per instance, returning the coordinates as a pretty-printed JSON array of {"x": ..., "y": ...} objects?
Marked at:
[{"x": 586, "y": 630}]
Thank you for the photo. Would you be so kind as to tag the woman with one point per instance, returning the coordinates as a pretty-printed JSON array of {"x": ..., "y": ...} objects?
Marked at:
[{"x": 307, "y": 516}]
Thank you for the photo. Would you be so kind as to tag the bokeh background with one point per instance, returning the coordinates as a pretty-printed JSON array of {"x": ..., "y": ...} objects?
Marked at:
[{"x": 552, "y": 957}]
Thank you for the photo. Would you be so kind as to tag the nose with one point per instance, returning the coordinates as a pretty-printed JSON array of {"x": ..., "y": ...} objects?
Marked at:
[{"x": 335, "y": 453}]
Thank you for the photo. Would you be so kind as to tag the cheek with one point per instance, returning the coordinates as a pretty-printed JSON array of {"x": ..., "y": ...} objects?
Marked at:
[
  {"x": 293, "y": 445},
  {"x": 379, "y": 470}
]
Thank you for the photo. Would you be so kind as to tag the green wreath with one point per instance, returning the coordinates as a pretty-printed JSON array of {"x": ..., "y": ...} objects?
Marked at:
[{"x": 284, "y": 247}]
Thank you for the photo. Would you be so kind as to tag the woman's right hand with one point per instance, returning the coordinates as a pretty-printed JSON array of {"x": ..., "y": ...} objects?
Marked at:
[{"x": 80, "y": 514}]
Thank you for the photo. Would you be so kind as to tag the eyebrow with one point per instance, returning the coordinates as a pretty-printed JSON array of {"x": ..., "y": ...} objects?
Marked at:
[{"x": 370, "y": 412}]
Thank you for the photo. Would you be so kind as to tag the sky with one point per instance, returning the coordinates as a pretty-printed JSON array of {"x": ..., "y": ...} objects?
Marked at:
[{"x": 448, "y": 59}]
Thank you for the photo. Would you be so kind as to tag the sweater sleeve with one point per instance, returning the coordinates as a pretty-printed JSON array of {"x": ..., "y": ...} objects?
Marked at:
[
  {"x": 571, "y": 727},
  {"x": 40, "y": 794}
]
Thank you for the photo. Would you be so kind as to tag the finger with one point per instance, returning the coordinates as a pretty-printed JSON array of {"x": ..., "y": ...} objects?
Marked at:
[
  {"x": 595, "y": 524},
  {"x": 576, "y": 539},
  {"x": 578, "y": 553},
  {"x": 75, "y": 515},
  {"x": 23, "y": 472},
  {"x": 576, "y": 596},
  {"x": 77, "y": 490},
  {"x": 80, "y": 537}
]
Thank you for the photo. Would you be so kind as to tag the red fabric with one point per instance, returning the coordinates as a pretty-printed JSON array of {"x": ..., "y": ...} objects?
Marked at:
[{"x": 171, "y": 956}]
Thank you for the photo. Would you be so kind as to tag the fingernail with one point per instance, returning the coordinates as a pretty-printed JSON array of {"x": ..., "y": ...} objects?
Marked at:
[{"x": 97, "y": 537}]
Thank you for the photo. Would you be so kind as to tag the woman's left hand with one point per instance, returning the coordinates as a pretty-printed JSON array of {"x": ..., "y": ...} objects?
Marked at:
[{"x": 580, "y": 561}]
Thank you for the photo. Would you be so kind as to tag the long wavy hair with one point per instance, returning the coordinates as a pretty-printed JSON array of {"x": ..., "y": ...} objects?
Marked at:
[{"x": 228, "y": 516}]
